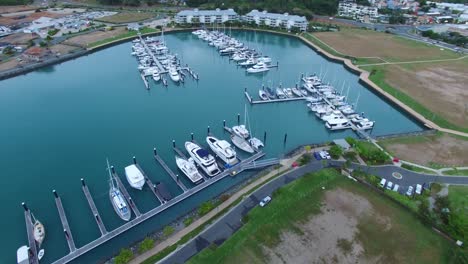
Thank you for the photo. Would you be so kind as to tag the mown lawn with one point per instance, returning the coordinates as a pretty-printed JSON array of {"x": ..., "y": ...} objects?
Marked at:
[
  {"x": 125, "y": 35},
  {"x": 404, "y": 240},
  {"x": 456, "y": 172},
  {"x": 126, "y": 17}
]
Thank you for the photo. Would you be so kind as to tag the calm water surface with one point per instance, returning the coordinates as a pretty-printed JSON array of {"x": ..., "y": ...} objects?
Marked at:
[{"x": 59, "y": 124}]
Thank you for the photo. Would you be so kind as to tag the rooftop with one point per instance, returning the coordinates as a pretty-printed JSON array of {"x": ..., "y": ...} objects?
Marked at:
[
  {"x": 217, "y": 11},
  {"x": 284, "y": 16}
]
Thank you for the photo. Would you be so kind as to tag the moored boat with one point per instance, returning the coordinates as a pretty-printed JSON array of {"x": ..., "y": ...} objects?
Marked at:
[
  {"x": 117, "y": 199},
  {"x": 39, "y": 232},
  {"x": 263, "y": 95},
  {"x": 222, "y": 149},
  {"x": 189, "y": 169},
  {"x": 135, "y": 177},
  {"x": 203, "y": 158},
  {"x": 241, "y": 143}
]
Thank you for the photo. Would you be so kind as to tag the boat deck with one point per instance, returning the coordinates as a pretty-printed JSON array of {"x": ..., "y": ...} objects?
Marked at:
[
  {"x": 291, "y": 99},
  {"x": 126, "y": 194},
  {"x": 94, "y": 209},
  {"x": 66, "y": 226}
]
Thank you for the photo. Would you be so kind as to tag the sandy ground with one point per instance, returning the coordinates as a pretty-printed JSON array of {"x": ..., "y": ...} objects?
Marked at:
[
  {"x": 33, "y": 16},
  {"x": 84, "y": 40},
  {"x": 367, "y": 43},
  {"x": 62, "y": 49},
  {"x": 11, "y": 9},
  {"x": 441, "y": 87},
  {"x": 19, "y": 38},
  {"x": 12, "y": 63},
  {"x": 340, "y": 216},
  {"x": 446, "y": 150}
]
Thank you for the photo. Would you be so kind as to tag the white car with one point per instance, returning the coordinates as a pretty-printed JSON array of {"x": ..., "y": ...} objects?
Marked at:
[
  {"x": 265, "y": 201},
  {"x": 389, "y": 185},
  {"x": 410, "y": 191},
  {"x": 382, "y": 183},
  {"x": 324, "y": 154},
  {"x": 396, "y": 187},
  {"x": 418, "y": 188}
]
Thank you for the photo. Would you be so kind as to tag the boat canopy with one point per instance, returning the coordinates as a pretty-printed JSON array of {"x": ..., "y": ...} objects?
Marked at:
[{"x": 202, "y": 153}]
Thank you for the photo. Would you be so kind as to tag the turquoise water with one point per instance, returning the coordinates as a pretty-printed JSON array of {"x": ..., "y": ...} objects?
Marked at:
[{"x": 60, "y": 124}]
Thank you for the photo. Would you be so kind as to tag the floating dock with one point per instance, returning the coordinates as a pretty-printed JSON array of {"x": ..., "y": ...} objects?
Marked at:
[
  {"x": 290, "y": 99},
  {"x": 31, "y": 241},
  {"x": 63, "y": 219},
  {"x": 145, "y": 81},
  {"x": 93, "y": 207},
  {"x": 170, "y": 172},
  {"x": 125, "y": 193}
]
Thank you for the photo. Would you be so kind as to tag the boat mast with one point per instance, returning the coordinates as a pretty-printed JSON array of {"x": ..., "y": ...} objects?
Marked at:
[{"x": 110, "y": 175}]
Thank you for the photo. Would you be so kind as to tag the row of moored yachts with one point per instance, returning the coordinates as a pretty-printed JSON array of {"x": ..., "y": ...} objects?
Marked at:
[
  {"x": 199, "y": 158},
  {"x": 148, "y": 66},
  {"x": 238, "y": 52}
]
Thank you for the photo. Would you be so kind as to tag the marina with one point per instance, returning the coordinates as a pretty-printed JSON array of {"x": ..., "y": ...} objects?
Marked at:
[
  {"x": 169, "y": 171},
  {"x": 150, "y": 184},
  {"x": 141, "y": 121}
]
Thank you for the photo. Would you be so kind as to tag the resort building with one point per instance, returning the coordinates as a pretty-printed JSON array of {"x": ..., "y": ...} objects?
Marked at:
[
  {"x": 357, "y": 12},
  {"x": 206, "y": 16},
  {"x": 285, "y": 20}
]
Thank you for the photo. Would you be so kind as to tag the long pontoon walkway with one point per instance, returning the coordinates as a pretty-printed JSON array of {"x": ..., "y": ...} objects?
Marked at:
[
  {"x": 93, "y": 207},
  {"x": 145, "y": 216}
]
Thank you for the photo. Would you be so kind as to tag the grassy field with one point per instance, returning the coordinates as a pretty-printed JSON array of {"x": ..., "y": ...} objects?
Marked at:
[
  {"x": 436, "y": 151},
  {"x": 400, "y": 238},
  {"x": 358, "y": 42},
  {"x": 456, "y": 172},
  {"x": 458, "y": 197},
  {"x": 126, "y": 17},
  {"x": 123, "y": 35}
]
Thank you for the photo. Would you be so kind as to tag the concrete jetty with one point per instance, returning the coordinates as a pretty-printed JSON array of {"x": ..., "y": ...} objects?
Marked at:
[
  {"x": 93, "y": 207},
  {"x": 63, "y": 219},
  {"x": 170, "y": 172},
  {"x": 31, "y": 241}
]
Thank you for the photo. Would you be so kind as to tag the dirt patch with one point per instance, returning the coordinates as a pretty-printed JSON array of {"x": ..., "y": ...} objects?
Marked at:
[
  {"x": 84, "y": 40},
  {"x": 15, "y": 20},
  {"x": 368, "y": 43},
  {"x": 126, "y": 17},
  {"x": 13, "y": 9},
  {"x": 445, "y": 149},
  {"x": 328, "y": 237},
  {"x": 10, "y": 64},
  {"x": 62, "y": 49},
  {"x": 19, "y": 38},
  {"x": 440, "y": 87}
]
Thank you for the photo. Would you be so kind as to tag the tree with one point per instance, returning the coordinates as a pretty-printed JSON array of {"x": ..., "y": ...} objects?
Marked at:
[
  {"x": 168, "y": 230},
  {"x": 124, "y": 256},
  {"x": 146, "y": 245},
  {"x": 335, "y": 151}
]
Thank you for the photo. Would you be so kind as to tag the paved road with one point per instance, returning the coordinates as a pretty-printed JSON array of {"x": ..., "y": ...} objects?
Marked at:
[{"x": 224, "y": 227}]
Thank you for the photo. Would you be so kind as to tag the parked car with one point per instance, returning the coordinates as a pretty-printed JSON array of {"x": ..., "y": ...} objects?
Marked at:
[
  {"x": 325, "y": 155},
  {"x": 317, "y": 156},
  {"x": 389, "y": 185},
  {"x": 382, "y": 183},
  {"x": 418, "y": 188},
  {"x": 265, "y": 201},
  {"x": 410, "y": 191},
  {"x": 396, "y": 187}
]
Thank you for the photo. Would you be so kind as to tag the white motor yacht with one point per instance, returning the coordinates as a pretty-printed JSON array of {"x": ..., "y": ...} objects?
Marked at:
[
  {"x": 288, "y": 92},
  {"x": 241, "y": 131},
  {"x": 333, "y": 115},
  {"x": 203, "y": 158},
  {"x": 337, "y": 124},
  {"x": 174, "y": 74},
  {"x": 264, "y": 59},
  {"x": 304, "y": 92},
  {"x": 296, "y": 92},
  {"x": 222, "y": 149},
  {"x": 248, "y": 62},
  {"x": 156, "y": 76},
  {"x": 189, "y": 169},
  {"x": 364, "y": 125},
  {"x": 134, "y": 177},
  {"x": 241, "y": 143},
  {"x": 259, "y": 67}
]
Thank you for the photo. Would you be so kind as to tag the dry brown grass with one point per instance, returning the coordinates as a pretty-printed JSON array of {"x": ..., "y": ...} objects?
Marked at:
[
  {"x": 428, "y": 150},
  {"x": 19, "y": 38},
  {"x": 367, "y": 43},
  {"x": 62, "y": 49},
  {"x": 126, "y": 17},
  {"x": 84, "y": 40},
  {"x": 8, "y": 21},
  {"x": 13, "y": 9}
]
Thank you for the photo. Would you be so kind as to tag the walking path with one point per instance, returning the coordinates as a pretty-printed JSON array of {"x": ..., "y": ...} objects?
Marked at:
[
  {"x": 410, "y": 62},
  {"x": 364, "y": 76},
  {"x": 287, "y": 163}
]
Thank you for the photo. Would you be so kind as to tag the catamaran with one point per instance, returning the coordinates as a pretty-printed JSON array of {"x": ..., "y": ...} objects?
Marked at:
[
  {"x": 241, "y": 143},
  {"x": 203, "y": 158},
  {"x": 135, "y": 177},
  {"x": 117, "y": 199},
  {"x": 222, "y": 149},
  {"x": 189, "y": 169}
]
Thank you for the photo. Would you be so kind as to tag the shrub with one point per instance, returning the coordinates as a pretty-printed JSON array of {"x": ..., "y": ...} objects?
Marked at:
[
  {"x": 188, "y": 221},
  {"x": 205, "y": 208},
  {"x": 304, "y": 159},
  {"x": 124, "y": 256},
  {"x": 224, "y": 197},
  {"x": 146, "y": 245},
  {"x": 168, "y": 230},
  {"x": 335, "y": 151},
  {"x": 350, "y": 155}
]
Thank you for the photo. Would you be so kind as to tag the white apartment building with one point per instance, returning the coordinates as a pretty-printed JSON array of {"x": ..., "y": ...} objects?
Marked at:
[
  {"x": 358, "y": 12},
  {"x": 277, "y": 20},
  {"x": 206, "y": 16}
]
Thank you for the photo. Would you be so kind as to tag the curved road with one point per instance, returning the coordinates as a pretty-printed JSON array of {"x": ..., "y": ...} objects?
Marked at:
[{"x": 224, "y": 227}]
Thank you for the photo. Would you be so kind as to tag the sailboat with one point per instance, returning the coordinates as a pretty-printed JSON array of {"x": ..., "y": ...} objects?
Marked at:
[{"x": 117, "y": 199}]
